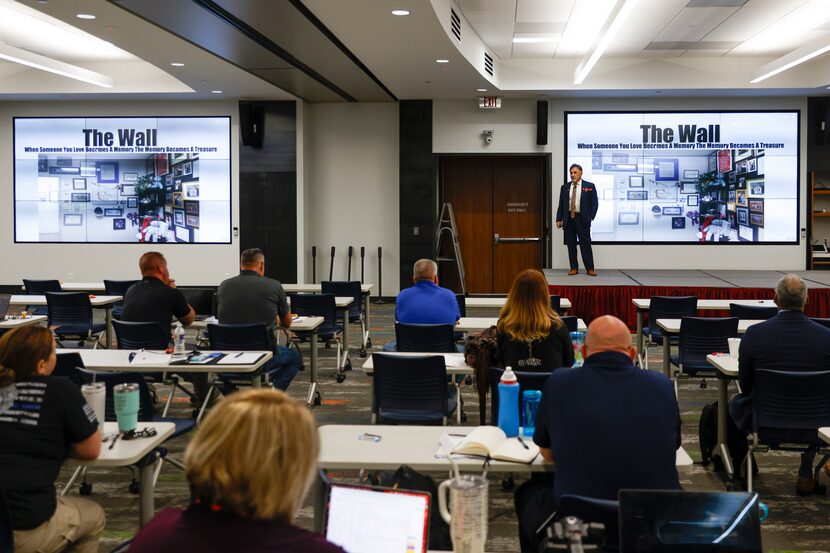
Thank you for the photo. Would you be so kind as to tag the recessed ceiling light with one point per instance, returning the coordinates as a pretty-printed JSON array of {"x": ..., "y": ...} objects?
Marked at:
[
  {"x": 481, "y": 90},
  {"x": 176, "y": 64},
  {"x": 400, "y": 12},
  {"x": 85, "y": 16},
  {"x": 533, "y": 39},
  {"x": 216, "y": 92},
  {"x": 42, "y": 1},
  {"x": 442, "y": 61}
]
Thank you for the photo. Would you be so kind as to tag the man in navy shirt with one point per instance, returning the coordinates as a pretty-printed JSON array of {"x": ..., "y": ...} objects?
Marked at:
[
  {"x": 425, "y": 303},
  {"x": 606, "y": 425}
]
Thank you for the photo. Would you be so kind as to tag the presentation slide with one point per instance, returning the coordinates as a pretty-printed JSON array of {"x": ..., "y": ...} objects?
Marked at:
[
  {"x": 124, "y": 179},
  {"x": 689, "y": 177}
]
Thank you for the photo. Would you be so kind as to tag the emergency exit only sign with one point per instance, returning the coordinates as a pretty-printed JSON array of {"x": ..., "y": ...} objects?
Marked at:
[{"x": 489, "y": 102}]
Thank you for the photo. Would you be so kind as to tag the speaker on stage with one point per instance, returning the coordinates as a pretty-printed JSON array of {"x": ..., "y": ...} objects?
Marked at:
[
  {"x": 542, "y": 122},
  {"x": 252, "y": 124}
]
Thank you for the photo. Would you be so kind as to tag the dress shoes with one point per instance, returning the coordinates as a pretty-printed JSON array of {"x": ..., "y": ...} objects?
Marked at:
[
  {"x": 592, "y": 272},
  {"x": 573, "y": 272},
  {"x": 804, "y": 486}
]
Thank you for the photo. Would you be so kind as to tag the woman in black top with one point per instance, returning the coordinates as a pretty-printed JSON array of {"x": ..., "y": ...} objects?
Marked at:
[
  {"x": 43, "y": 420},
  {"x": 531, "y": 336}
]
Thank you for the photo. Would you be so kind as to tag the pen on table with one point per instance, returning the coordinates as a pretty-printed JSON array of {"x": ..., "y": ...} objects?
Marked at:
[
  {"x": 112, "y": 445},
  {"x": 521, "y": 441},
  {"x": 238, "y": 355}
]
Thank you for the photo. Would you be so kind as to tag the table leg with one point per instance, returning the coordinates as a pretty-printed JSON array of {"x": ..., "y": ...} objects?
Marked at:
[
  {"x": 312, "y": 389},
  {"x": 345, "y": 335},
  {"x": 640, "y": 316},
  {"x": 108, "y": 319},
  {"x": 723, "y": 412},
  {"x": 666, "y": 354},
  {"x": 318, "y": 502},
  {"x": 146, "y": 504},
  {"x": 366, "y": 316}
]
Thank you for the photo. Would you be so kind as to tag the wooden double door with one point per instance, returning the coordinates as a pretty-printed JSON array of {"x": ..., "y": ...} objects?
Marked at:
[{"x": 499, "y": 204}]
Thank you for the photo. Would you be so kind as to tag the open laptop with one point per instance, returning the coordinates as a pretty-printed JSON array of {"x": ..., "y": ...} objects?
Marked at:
[
  {"x": 202, "y": 300},
  {"x": 4, "y": 306},
  {"x": 678, "y": 521},
  {"x": 364, "y": 519}
]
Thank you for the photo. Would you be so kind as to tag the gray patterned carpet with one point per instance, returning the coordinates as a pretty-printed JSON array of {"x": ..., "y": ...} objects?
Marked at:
[{"x": 794, "y": 523}]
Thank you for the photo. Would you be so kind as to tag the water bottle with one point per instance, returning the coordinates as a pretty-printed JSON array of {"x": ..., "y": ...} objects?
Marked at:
[
  {"x": 178, "y": 340},
  {"x": 530, "y": 405},
  {"x": 509, "y": 403}
]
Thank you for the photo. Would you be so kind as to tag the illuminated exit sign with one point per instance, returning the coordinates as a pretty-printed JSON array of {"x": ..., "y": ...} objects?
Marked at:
[{"x": 489, "y": 102}]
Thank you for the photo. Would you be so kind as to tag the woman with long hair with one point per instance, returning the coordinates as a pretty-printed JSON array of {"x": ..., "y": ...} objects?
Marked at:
[{"x": 531, "y": 336}]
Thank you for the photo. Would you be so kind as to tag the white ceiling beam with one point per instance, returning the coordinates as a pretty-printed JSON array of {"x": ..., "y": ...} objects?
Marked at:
[
  {"x": 37, "y": 61},
  {"x": 796, "y": 57},
  {"x": 615, "y": 21}
]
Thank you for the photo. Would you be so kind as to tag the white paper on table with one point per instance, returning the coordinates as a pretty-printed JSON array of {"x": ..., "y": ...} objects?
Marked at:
[
  {"x": 240, "y": 358},
  {"x": 454, "y": 361},
  {"x": 150, "y": 358}
]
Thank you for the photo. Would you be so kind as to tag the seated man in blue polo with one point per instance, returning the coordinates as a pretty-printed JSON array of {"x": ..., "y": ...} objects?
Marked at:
[
  {"x": 252, "y": 297},
  {"x": 606, "y": 425},
  {"x": 425, "y": 303}
]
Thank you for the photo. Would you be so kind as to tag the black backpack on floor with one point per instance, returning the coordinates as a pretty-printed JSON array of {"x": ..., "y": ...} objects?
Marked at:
[{"x": 736, "y": 441}]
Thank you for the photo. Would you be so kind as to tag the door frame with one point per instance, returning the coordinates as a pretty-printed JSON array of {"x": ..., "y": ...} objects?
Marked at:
[{"x": 547, "y": 168}]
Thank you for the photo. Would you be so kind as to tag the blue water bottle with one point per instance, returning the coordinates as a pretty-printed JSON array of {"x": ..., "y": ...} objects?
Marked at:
[
  {"x": 509, "y": 403},
  {"x": 530, "y": 405}
]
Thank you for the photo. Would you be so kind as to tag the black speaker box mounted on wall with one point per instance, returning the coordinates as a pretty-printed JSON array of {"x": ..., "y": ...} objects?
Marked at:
[
  {"x": 252, "y": 124},
  {"x": 542, "y": 122}
]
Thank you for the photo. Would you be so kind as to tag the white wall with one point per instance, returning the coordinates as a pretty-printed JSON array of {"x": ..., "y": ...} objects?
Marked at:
[
  {"x": 457, "y": 126},
  {"x": 351, "y": 188},
  {"x": 189, "y": 264}
]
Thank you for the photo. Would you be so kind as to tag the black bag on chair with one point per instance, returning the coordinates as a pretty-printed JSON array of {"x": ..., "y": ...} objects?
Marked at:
[
  {"x": 406, "y": 478},
  {"x": 736, "y": 441}
]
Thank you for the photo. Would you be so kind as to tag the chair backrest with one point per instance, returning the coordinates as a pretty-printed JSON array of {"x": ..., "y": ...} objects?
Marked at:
[
  {"x": 790, "y": 400},
  {"x": 671, "y": 307},
  {"x": 414, "y": 388},
  {"x": 118, "y": 287},
  {"x": 247, "y": 337},
  {"x": 527, "y": 381},
  {"x": 69, "y": 365},
  {"x": 462, "y": 304},
  {"x": 317, "y": 305},
  {"x": 6, "y": 529},
  {"x": 140, "y": 335},
  {"x": 349, "y": 288},
  {"x": 590, "y": 509},
  {"x": 40, "y": 287},
  {"x": 555, "y": 303},
  {"x": 425, "y": 338},
  {"x": 68, "y": 308},
  {"x": 821, "y": 321},
  {"x": 752, "y": 311},
  {"x": 202, "y": 300},
  {"x": 111, "y": 380},
  {"x": 700, "y": 336},
  {"x": 571, "y": 322}
]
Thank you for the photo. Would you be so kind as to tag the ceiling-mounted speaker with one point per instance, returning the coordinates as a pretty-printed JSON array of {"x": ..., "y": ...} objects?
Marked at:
[
  {"x": 820, "y": 112},
  {"x": 542, "y": 122},
  {"x": 252, "y": 124}
]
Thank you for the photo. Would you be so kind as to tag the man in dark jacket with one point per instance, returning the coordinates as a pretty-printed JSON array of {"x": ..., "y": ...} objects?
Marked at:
[{"x": 578, "y": 204}]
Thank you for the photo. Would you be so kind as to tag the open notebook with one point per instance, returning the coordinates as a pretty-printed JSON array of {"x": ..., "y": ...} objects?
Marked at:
[{"x": 490, "y": 441}]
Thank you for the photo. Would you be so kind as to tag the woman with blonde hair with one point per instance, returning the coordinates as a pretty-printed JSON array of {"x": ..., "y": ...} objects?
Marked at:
[
  {"x": 531, "y": 336},
  {"x": 43, "y": 420},
  {"x": 249, "y": 467}
]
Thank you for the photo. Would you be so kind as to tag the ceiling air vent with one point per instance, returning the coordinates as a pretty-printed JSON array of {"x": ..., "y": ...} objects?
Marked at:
[
  {"x": 455, "y": 24},
  {"x": 488, "y": 63}
]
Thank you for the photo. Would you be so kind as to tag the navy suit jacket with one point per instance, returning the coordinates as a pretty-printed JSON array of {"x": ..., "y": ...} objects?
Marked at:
[
  {"x": 787, "y": 342},
  {"x": 588, "y": 203}
]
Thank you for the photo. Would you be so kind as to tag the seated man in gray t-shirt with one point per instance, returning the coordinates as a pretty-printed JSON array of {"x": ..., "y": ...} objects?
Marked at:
[{"x": 252, "y": 297}]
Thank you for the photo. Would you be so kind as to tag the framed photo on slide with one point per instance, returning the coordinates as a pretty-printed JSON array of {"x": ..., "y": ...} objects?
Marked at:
[
  {"x": 636, "y": 195},
  {"x": 628, "y": 218},
  {"x": 692, "y": 200},
  {"x": 666, "y": 169},
  {"x": 636, "y": 181}
]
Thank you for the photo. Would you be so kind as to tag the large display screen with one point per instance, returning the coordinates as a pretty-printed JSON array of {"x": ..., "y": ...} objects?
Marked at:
[
  {"x": 122, "y": 179},
  {"x": 689, "y": 177}
]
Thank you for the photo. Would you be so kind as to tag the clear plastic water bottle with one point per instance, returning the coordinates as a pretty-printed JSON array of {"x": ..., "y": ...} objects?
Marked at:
[
  {"x": 178, "y": 340},
  {"x": 530, "y": 405},
  {"x": 509, "y": 403}
]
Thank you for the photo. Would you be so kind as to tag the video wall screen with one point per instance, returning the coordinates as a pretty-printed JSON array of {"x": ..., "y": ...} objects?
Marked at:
[
  {"x": 122, "y": 179},
  {"x": 689, "y": 177}
]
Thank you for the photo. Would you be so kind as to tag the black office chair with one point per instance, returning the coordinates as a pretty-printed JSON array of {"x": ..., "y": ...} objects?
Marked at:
[
  {"x": 323, "y": 305},
  {"x": 241, "y": 337},
  {"x": 571, "y": 323},
  {"x": 556, "y": 303},
  {"x": 68, "y": 365},
  {"x": 6, "y": 529},
  {"x": 39, "y": 288},
  {"x": 357, "y": 314},
  {"x": 590, "y": 509},
  {"x": 528, "y": 380},
  {"x": 118, "y": 288},
  {"x": 410, "y": 390},
  {"x": 70, "y": 314},
  {"x": 700, "y": 336},
  {"x": 425, "y": 338},
  {"x": 462, "y": 311},
  {"x": 821, "y": 321},
  {"x": 788, "y": 408},
  {"x": 667, "y": 307},
  {"x": 759, "y": 312},
  {"x": 202, "y": 300}
]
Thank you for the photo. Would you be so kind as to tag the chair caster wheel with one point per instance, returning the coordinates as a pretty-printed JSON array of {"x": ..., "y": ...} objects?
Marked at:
[
  {"x": 328, "y": 345},
  {"x": 317, "y": 400},
  {"x": 341, "y": 378},
  {"x": 731, "y": 487},
  {"x": 134, "y": 487},
  {"x": 302, "y": 366},
  {"x": 463, "y": 417},
  {"x": 86, "y": 488},
  {"x": 468, "y": 380},
  {"x": 508, "y": 484},
  {"x": 363, "y": 352},
  {"x": 347, "y": 366},
  {"x": 368, "y": 342}
]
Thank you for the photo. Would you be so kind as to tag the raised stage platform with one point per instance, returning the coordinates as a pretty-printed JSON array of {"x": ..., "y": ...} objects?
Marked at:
[{"x": 612, "y": 291}]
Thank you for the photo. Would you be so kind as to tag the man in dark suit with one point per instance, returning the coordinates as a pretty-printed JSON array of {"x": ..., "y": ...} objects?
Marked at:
[
  {"x": 577, "y": 208},
  {"x": 787, "y": 342}
]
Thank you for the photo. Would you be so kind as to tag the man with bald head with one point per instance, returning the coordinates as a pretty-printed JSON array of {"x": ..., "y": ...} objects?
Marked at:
[
  {"x": 790, "y": 341},
  {"x": 606, "y": 425}
]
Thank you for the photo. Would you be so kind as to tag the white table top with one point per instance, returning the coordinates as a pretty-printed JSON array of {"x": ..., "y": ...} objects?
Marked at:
[
  {"x": 119, "y": 360},
  {"x": 498, "y": 301},
  {"x": 725, "y": 363},
  {"x": 475, "y": 324},
  {"x": 672, "y": 326},
  {"x": 300, "y": 324},
  {"x": 709, "y": 305},
  {"x": 85, "y": 286},
  {"x": 455, "y": 361},
  {"x": 339, "y": 301},
  {"x": 824, "y": 434},
  {"x": 317, "y": 288},
  {"x": 96, "y": 301},
  {"x": 30, "y": 320},
  {"x": 411, "y": 445},
  {"x": 128, "y": 452}
]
